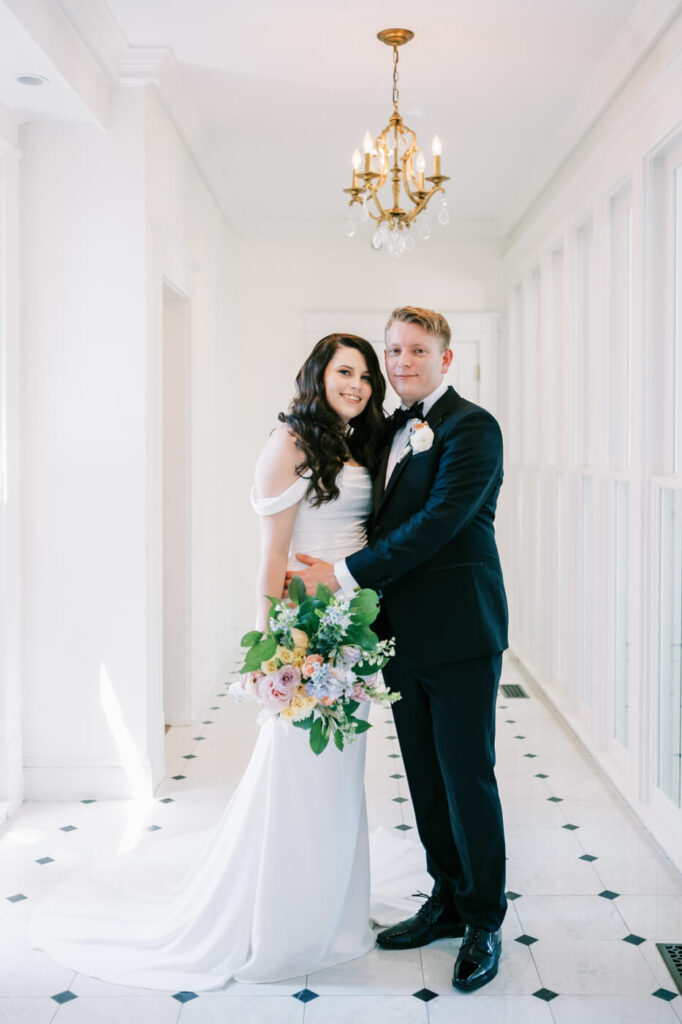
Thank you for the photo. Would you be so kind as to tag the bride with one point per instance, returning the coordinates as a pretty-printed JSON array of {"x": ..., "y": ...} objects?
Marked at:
[{"x": 281, "y": 887}]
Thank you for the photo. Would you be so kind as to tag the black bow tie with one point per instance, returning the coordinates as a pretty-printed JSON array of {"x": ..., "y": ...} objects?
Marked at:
[{"x": 401, "y": 416}]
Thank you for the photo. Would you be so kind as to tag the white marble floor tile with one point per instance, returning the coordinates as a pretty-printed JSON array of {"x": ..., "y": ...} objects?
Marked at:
[
  {"x": 517, "y": 973},
  {"x": 540, "y": 843},
  {"x": 658, "y": 918},
  {"x": 639, "y": 876},
  {"x": 379, "y": 972},
  {"x": 557, "y": 918},
  {"x": 612, "y": 1010},
  {"x": 481, "y": 1008},
  {"x": 84, "y": 985},
  {"x": 85, "y": 1010},
  {"x": 599, "y": 967},
  {"x": 209, "y": 1009},
  {"x": 27, "y": 1011},
  {"x": 374, "y": 1009},
  {"x": 236, "y": 989},
  {"x": 29, "y": 972},
  {"x": 551, "y": 878}
]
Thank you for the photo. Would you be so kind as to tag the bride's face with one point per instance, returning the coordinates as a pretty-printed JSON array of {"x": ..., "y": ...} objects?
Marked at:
[{"x": 347, "y": 383}]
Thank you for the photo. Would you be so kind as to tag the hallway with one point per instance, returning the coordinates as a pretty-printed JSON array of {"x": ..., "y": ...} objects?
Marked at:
[{"x": 590, "y": 894}]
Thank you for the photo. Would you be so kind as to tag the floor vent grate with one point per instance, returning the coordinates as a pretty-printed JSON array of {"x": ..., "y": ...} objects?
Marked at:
[
  {"x": 672, "y": 957},
  {"x": 512, "y": 690}
]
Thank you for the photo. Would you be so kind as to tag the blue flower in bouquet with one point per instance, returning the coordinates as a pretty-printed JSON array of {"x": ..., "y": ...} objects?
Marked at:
[
  {"x": 283, "y": 619},
  {"x": 337, "y": 615},
  {"x": 323, "y": 684}
]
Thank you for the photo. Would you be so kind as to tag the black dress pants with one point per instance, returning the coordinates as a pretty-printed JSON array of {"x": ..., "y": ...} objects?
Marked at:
[{"x": 446, "y": 727}]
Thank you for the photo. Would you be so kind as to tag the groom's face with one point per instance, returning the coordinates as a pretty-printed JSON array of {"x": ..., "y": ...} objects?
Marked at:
[{"x": 415, "y": 361}]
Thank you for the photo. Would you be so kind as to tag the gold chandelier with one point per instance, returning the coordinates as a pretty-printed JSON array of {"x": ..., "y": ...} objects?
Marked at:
[{"x": 395, "y": 154}]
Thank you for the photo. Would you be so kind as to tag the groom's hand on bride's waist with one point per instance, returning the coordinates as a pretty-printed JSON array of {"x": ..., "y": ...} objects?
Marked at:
[{"x": 318, "y": 572}]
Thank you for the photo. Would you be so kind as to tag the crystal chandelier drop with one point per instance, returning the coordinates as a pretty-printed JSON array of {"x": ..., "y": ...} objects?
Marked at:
[{"x": 395, "y": 154}]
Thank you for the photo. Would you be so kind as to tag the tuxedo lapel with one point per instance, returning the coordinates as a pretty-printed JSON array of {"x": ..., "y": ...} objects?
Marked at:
[{"x": 443, "y": 406}]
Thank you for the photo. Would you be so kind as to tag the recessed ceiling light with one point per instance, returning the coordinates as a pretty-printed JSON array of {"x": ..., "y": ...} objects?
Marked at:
[{"x": 32, "y": 79}]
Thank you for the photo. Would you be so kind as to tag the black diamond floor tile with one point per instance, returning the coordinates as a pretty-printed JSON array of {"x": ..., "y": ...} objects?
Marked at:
[
  {"x": 511, "y": 895},
  {"x": 305, "y": 995},
  {"x": 391, "y": 737},
  {"x": 68, "y": 828},
  {"x": 88, "y": 801},
  {"x": 177, "y": 778},
  {"x": 665, "y": 994},
  {"x": 207, "y": 722},
  {"x": 216, "y": 707},
  {"x": 526, "y": 940},
  {"x": 571, "y": 828},
  {"x": 197, "y": 738},
  {"x": 546, "y": 994},
  {"x": 608, "y": 894},
  {"x": 519, "y": 737},
  {"x": 426, "y": 995},
  {"x": 189, "y": 757},
  {"x": 167, "y": 800},
  {"x": 45, "y": 860},
  {"x": 397, "y": 776},
  {"x": 555, "y": 799},
  {"x": 588, "y": 857},
  {"x": 17, "y": 898},
  {"x": 530, "y": 755},
  {"x": 399, "y": 799},
  {"x": 634, "y": 940},
  {"x": 404, "y": 828},
  {"x": 185, "y": 997},
  {"x": 64, "y": 997},
  {"x": 393, "y": 755},
  {"x": 541, "y": 775},
  {"x": 153, "y": 828},
  {"x": 510, "y": 721}
]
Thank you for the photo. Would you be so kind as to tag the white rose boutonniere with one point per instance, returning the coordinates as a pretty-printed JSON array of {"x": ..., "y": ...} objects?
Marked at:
[{"x": 421, "y": 437}]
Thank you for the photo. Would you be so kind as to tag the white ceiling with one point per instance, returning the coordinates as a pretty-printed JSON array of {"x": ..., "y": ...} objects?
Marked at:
[{"x": 287, "y": 90}]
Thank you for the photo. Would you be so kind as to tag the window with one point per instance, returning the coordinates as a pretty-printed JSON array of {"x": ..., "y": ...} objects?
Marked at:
[
  {"x": 620, "y": 327},
  {"x": 670, "y": 647}
]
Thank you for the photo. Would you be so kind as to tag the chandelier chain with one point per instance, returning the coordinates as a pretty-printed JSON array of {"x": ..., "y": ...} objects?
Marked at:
[{"x": 395, "y": 76}]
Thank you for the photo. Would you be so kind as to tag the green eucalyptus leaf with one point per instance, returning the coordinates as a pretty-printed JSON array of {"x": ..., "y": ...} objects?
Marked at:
[
  {"x": 338, "y": 739},
  {"x": 305, "y": 723},
  {"x": 297, "y": 591},
  {"x": 319, "y": 736},
  {"x": 323, "y": 594},
  {"x": 360, "y": 725},
  {"x": 250, "y": 638}
]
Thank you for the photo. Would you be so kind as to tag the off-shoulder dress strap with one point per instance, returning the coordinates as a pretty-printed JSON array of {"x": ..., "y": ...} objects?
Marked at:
[{"x": 269, "y": 506}]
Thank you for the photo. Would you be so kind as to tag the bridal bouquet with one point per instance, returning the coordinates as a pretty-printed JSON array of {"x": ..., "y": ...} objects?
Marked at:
[{"x": 317, "y": 662}]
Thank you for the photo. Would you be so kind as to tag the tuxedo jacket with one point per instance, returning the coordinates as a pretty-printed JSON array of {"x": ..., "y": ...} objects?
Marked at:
[{"x": 432, "y": 551}]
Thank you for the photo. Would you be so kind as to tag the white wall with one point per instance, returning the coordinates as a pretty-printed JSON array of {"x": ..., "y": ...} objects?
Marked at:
[
  {"x": 590, "y": 357},
  {"x": 106, "y": 218},
  {"x": 11, "y": 778},
  {"x": 277, "y": 283}
]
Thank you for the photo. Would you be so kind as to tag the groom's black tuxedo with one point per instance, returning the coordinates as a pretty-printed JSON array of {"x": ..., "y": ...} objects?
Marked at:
[{"x": 433, "y": 555}]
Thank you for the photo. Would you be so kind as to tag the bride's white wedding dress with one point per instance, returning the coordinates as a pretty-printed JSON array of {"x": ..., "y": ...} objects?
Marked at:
[{"x": 280, "y": 886}]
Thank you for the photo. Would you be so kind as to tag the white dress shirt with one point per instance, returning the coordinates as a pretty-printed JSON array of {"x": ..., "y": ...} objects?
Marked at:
[{"x": 400, "y": 439}]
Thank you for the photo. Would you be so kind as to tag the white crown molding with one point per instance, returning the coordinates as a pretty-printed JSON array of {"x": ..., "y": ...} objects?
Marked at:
[
  {"x": 96, "y": 26},
  {"x": 645, "y": 26},
  {"x": 9, "y": 133}
]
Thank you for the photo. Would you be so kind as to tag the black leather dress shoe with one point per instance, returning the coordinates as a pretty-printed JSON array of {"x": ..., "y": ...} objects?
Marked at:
[
  {"x": 478, "y": 958},
  {"x": 432, "y": 921}
]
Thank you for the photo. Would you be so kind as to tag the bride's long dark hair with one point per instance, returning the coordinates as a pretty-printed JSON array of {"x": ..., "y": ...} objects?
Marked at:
[{"x": 325, "y": 440}]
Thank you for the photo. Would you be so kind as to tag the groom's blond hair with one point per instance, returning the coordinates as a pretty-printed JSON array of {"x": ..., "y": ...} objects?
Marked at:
[{"x": 432, "y": 322}]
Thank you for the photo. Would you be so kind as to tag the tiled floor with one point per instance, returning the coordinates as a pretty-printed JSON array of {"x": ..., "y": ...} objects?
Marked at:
[{"x": 589, "y": 895}]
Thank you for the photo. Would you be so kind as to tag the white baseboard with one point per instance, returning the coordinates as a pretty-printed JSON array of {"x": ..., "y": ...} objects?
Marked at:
[{"x": 80, "y": 779}]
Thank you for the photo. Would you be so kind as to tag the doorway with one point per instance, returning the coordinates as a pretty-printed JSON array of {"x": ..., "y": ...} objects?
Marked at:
[{"x": 176, "y": 510}]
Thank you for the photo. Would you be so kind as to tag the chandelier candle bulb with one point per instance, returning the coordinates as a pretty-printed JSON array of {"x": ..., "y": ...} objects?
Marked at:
[
  {"x": 367, "y": 146},
  {"x": 420, "y": 165},
  {"x": 436, "y": 149},
  {"x": 357, "y": 163}
]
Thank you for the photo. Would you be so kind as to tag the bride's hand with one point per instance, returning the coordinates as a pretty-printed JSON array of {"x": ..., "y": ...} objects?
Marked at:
[{"x": 319, "y": 572}]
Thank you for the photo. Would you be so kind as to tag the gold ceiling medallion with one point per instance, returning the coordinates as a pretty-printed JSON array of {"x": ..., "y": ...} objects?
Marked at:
[{"x": 395, "y": 154}]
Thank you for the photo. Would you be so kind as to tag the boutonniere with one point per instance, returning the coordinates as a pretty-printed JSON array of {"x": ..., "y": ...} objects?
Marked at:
[{"x": 420, "y": 440}]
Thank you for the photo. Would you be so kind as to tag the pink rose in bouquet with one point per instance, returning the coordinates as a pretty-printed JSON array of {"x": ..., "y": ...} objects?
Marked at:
[
  {"x": 359, "y": 693},
  {"x": 276, "y": 689}
]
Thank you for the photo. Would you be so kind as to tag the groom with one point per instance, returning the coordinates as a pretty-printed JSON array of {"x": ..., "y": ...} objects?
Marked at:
[{"x": 432, "y": 554}]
